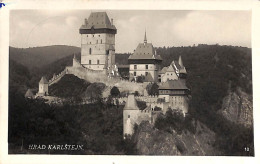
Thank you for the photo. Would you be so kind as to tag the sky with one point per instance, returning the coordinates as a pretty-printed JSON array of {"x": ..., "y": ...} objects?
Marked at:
[{"x": 34, "y": 28}]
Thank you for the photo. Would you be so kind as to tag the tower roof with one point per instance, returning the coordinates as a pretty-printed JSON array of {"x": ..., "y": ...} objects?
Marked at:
[
  {"x": 180, "y": 62},
  {"x": 145, "y": 51},
  {"x": 131, "y": 103},
  {"x": 97, "y": 21},
  {"x": 43, "y": 80},
  {"x": 29, "y": 93}
]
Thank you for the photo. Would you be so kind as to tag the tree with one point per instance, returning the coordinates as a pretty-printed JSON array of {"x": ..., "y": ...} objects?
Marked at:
[
  {"x": 140, "y": 79},
  {"x": 152, "y": 89},
  {"x": 114, "y": 92}
]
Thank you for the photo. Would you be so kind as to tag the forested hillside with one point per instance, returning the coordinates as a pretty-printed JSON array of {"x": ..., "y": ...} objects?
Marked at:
[
  {"x": 37, "y": 57},
  {"x": 214, "y": 73}
]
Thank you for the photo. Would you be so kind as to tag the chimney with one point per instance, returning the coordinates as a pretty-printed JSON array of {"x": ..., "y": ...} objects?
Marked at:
[
  {"x": 111, "y": 21},
  {"x": 86, "y": 21}
]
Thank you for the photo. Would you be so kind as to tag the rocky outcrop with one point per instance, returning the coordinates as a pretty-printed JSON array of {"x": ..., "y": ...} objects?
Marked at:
[
  {"x": 238, "y": 108},
  {"x": 151, "y": 141}
]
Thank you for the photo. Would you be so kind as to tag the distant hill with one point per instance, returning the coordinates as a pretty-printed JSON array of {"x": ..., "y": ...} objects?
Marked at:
[{"x": 40, "y": 56}]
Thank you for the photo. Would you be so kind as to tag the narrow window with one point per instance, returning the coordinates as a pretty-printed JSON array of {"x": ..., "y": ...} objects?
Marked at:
[
  {"x": 135, "y": 66},
  {"x": 93, "y": 35},
  {"x": 89, "y": 62},
  {"x": 97, "y": 61},
  {"x": 128, "y": 116},
  {"x": 134, "y": 73},
  {"x": 146, "y": 73},
  {"x": 97, "y": 41},
  {"x": 146, "y": 66},
  {"x": 90, "y": 50},
  {"x": 101, "y": 41}
]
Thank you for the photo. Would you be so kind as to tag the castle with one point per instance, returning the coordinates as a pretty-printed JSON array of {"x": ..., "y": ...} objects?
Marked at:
[{"x": 98, "y": 65}]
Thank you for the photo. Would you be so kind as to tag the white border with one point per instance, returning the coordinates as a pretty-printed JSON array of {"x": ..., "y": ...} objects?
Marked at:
[{"x": 124, "y": 5}]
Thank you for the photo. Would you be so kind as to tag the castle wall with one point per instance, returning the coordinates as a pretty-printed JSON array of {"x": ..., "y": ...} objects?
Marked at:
[
  {"x": 101, "y": 76},
  {"x": 58, "y": 77}
]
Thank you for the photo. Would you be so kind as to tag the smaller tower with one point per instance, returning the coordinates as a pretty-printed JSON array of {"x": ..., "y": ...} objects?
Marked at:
[
  {"x": 43, "y": 87},
  {"x": 182, "y": 71},
  {"x": 130, "y": 115}
]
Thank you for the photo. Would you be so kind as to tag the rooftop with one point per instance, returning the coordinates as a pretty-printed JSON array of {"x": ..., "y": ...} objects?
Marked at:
[
  {"x": 173, "y": 84},
  {"x": 98, "y": 20},
  {"x": 131, "y": 103},
  {"x": 145, "y": 51},
  {"x": 43, "y": 80}
]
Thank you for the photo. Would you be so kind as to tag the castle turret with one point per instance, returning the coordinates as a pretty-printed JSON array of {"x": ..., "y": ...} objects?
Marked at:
[
  {"x": 144, "y": 62},
  {"x": 130, "y": 115},
  {"x": 180, "y": 62},
  {"x": 43, "y": 87}
]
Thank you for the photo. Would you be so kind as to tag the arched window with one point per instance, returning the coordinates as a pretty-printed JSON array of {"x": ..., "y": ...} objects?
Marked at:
[{"x": 90, "y": 50}]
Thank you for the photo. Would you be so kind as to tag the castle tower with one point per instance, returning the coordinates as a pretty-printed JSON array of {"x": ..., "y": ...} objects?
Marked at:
[
  {"x": 130, "y": 115},
  {"x": 43, "y": 87},
  {"x": 98, "y": 42},
  {"x": 145, "y": 62},
  {"x": 182, "y": 71}
]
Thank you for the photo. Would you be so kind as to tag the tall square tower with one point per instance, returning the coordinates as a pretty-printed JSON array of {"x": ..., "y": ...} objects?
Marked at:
[{"x": 98, "y": 42}]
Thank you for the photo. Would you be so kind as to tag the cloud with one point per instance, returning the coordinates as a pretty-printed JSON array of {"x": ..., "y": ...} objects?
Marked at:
[
  {"x": 30, "y": 28},
  {"x": 71, "y": 20}
]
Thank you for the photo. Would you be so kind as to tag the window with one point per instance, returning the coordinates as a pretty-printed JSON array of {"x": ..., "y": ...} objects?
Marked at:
[
  {"x": 90, "y": 50},
  {"x": 97, "y": 41},
  {"x": 89, "y": 42},
  {"x": 146, "y": 73},
  {"x": 101, "y": 41},
  {"x": 97, "y": 61},
  {"x": 87, "y": 35},
  {"x": 135, "y": 66},
  {"x": 128, "y": 116},
  {"x": 93, "y": 35},
  {"x": 89, "y": 62},
  {"x": 134, "y": 73},
  {"x": 146, "y": 66},
  {"x": 98, "y": 35}
]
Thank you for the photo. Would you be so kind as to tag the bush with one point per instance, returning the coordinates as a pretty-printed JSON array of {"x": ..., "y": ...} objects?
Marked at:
[
  {"x": 114, "y": 92},
  {"x": 152, "y": 89}
]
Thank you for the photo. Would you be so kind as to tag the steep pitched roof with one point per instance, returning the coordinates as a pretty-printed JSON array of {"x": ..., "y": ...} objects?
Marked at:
[
  {"x": 180, "y": 62},
  {"x": 145, "y": 51},
  {"x": 43, "y": 80},
  {"x": 163, "y": 70},
  {"x": 173, "y": 84},
  {"x": 170, "y": 68},
  {"x": 177, "y": 64},
  {"x": 98, "y": 20},
  {"x": 29, "y": 93},
  {"x": 148, "y": 78},
  {"x": 131, "y": 103}
]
